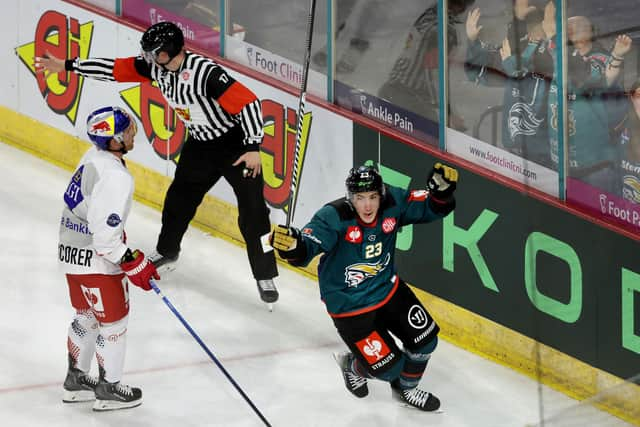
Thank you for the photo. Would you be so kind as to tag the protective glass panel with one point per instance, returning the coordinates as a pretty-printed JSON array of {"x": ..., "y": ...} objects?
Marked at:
[
  {"x": 198, "y": 19},
  {"x": 604, "y": 109},
  {"x": 386, "y": 63},
  {"x": 273, "y": 39},
  {"x": 500, "y": 78}
]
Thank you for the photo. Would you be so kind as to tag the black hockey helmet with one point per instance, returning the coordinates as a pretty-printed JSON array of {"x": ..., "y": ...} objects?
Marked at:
[
  {"x": 162, "y": 37},
  {"x": 362, "y": 179}
]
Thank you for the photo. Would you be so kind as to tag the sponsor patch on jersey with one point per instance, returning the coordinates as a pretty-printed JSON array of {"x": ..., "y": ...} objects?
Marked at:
[
  {"x": 73, "y": 195},
  {"x": 388, "y": 225},
  {"x": 93, "y": 296},
  {"x": 183, "y": 113},
  {"x": 113, "y": 220},
  {"x": 418, "y": 196},
  {"x": 185, "y": 75},
  {"x": 308, "y": 233},
  {"x": 373, "y": 348},
  {"x": 353, "y": 235}
]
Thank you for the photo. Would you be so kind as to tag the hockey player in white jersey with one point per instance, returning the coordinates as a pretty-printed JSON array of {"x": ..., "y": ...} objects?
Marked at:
[{"x": 97, "y": 262}]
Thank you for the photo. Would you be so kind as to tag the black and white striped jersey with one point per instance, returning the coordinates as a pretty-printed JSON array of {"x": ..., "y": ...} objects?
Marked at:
[{"x": 205, "y": 97}]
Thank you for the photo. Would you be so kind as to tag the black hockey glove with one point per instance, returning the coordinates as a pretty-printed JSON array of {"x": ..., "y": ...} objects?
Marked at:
[
  {"x": 442, "y": 181},
  {"x": 441, "y": 184},
  {"x": 287, "y": 241}
]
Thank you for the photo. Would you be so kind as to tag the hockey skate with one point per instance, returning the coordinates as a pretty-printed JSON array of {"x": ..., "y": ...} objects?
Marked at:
[
  {"x": 268, "y": 292},
  {"x": 79, "y": 386},
  {"x": 112, "y": 396},
  {"x": 164, "y": 264},
  {"x": 416, "y": 398},
  {"x": 356, "y": 384}
]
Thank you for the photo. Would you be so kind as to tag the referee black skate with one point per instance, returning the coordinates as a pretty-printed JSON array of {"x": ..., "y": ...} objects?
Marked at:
[{"x": 224, "y": 121}]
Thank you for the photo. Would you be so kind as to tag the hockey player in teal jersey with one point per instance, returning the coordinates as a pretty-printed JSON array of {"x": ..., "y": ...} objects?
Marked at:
[{"x": 359, "y": 284}]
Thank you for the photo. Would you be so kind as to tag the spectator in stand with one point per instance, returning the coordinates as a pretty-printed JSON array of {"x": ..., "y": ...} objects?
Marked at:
[
  {"x": 628, "y": 139},
  {"x": 413, "y": 82},
  {"x": 593, "y": 101},
  {"x": 522, "y": 65}
]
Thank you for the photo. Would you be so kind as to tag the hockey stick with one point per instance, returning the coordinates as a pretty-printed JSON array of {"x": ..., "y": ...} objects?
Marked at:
[
  {"x": 209, "y": 352},
  {"x": 293, "y": 191}
]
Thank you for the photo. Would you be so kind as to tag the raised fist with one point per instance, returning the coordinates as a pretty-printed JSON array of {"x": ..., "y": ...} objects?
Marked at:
[{"x": 442, "y": 181}]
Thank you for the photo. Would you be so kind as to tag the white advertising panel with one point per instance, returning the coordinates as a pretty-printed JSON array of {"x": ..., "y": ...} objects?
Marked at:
[
  {"x": 63, "y": 101},
  {"x": 502, "y": 162},
  {"x": 275, "y": 66}
]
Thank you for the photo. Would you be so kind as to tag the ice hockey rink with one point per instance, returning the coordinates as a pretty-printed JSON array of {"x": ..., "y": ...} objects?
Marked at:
[{"x": 281, "y": 359}]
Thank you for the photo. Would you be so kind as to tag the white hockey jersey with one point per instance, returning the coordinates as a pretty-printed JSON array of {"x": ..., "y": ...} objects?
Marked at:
[{"x": 96, "y": 206}]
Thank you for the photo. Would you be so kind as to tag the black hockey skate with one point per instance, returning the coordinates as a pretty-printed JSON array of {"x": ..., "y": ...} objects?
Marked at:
[
  {"x": 112, "y": 396},
  {"x": 164, "y": 264},
  {"x": 78, "y": 386},
  {"x": 416, "y": 398},
  {"x": 268, "y": 292},
  {"x": 356, "y": 384}
]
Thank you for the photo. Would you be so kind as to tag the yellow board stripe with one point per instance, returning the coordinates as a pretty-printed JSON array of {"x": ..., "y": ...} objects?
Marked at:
[{"x": 459, "y": 326}]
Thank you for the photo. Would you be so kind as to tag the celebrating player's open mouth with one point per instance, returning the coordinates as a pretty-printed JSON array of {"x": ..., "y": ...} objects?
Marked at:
[{"x": 366, "y": 205}]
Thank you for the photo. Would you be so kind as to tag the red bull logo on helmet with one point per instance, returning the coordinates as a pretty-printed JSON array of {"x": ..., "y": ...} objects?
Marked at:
[{"x": 103, "y": 127}]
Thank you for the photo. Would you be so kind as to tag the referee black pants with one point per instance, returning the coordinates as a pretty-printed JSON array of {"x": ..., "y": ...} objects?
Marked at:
[{"x": 201, "y": 165}]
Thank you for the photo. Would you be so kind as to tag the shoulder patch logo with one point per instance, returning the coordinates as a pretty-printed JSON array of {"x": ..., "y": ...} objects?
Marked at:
[
  {"x": 388, "y": 225},
  {"x": 113, "y": 220},
  {"x": 418, "y": 196}
]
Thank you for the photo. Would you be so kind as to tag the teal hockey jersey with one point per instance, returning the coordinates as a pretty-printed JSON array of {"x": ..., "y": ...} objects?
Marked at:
[{"x": 357, "y": 271}]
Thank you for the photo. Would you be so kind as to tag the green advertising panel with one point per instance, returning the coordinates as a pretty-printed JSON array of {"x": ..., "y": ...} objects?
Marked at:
[{"x": 523, "y": 263}]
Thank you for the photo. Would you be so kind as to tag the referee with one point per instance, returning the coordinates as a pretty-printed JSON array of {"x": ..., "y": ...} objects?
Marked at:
[{"x": 224, "y": 121}]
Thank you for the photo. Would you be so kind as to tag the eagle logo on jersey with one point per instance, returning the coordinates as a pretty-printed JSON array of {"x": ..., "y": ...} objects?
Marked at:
[
  {"x": 631, "y": 189},
  {"x": 355, "y": 274}
]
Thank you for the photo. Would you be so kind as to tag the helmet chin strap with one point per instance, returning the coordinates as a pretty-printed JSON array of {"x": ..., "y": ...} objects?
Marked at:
[{"x": 122, "y": 149}]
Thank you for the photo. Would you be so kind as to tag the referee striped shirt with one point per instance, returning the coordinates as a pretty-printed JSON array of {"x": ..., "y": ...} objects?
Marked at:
[{"x": 208, "y": 100}]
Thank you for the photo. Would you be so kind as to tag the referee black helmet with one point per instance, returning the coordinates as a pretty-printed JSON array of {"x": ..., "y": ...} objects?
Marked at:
[{"x": 162, "y": 37}]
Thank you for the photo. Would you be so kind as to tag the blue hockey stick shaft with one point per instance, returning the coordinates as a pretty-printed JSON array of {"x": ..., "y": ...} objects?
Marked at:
[{"x": 209, "y": 352}]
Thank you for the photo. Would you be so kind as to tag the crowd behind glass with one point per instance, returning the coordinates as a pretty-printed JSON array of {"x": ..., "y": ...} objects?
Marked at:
[{"x": 503, "y": 72}]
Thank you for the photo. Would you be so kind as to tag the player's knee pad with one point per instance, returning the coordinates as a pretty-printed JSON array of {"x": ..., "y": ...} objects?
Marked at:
[
  {"x": 84, "y": 324},
  {"x": 110, "y": 348},
  {"x": 81, "y": 339},
  {"x": 113, "y": 331}
]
